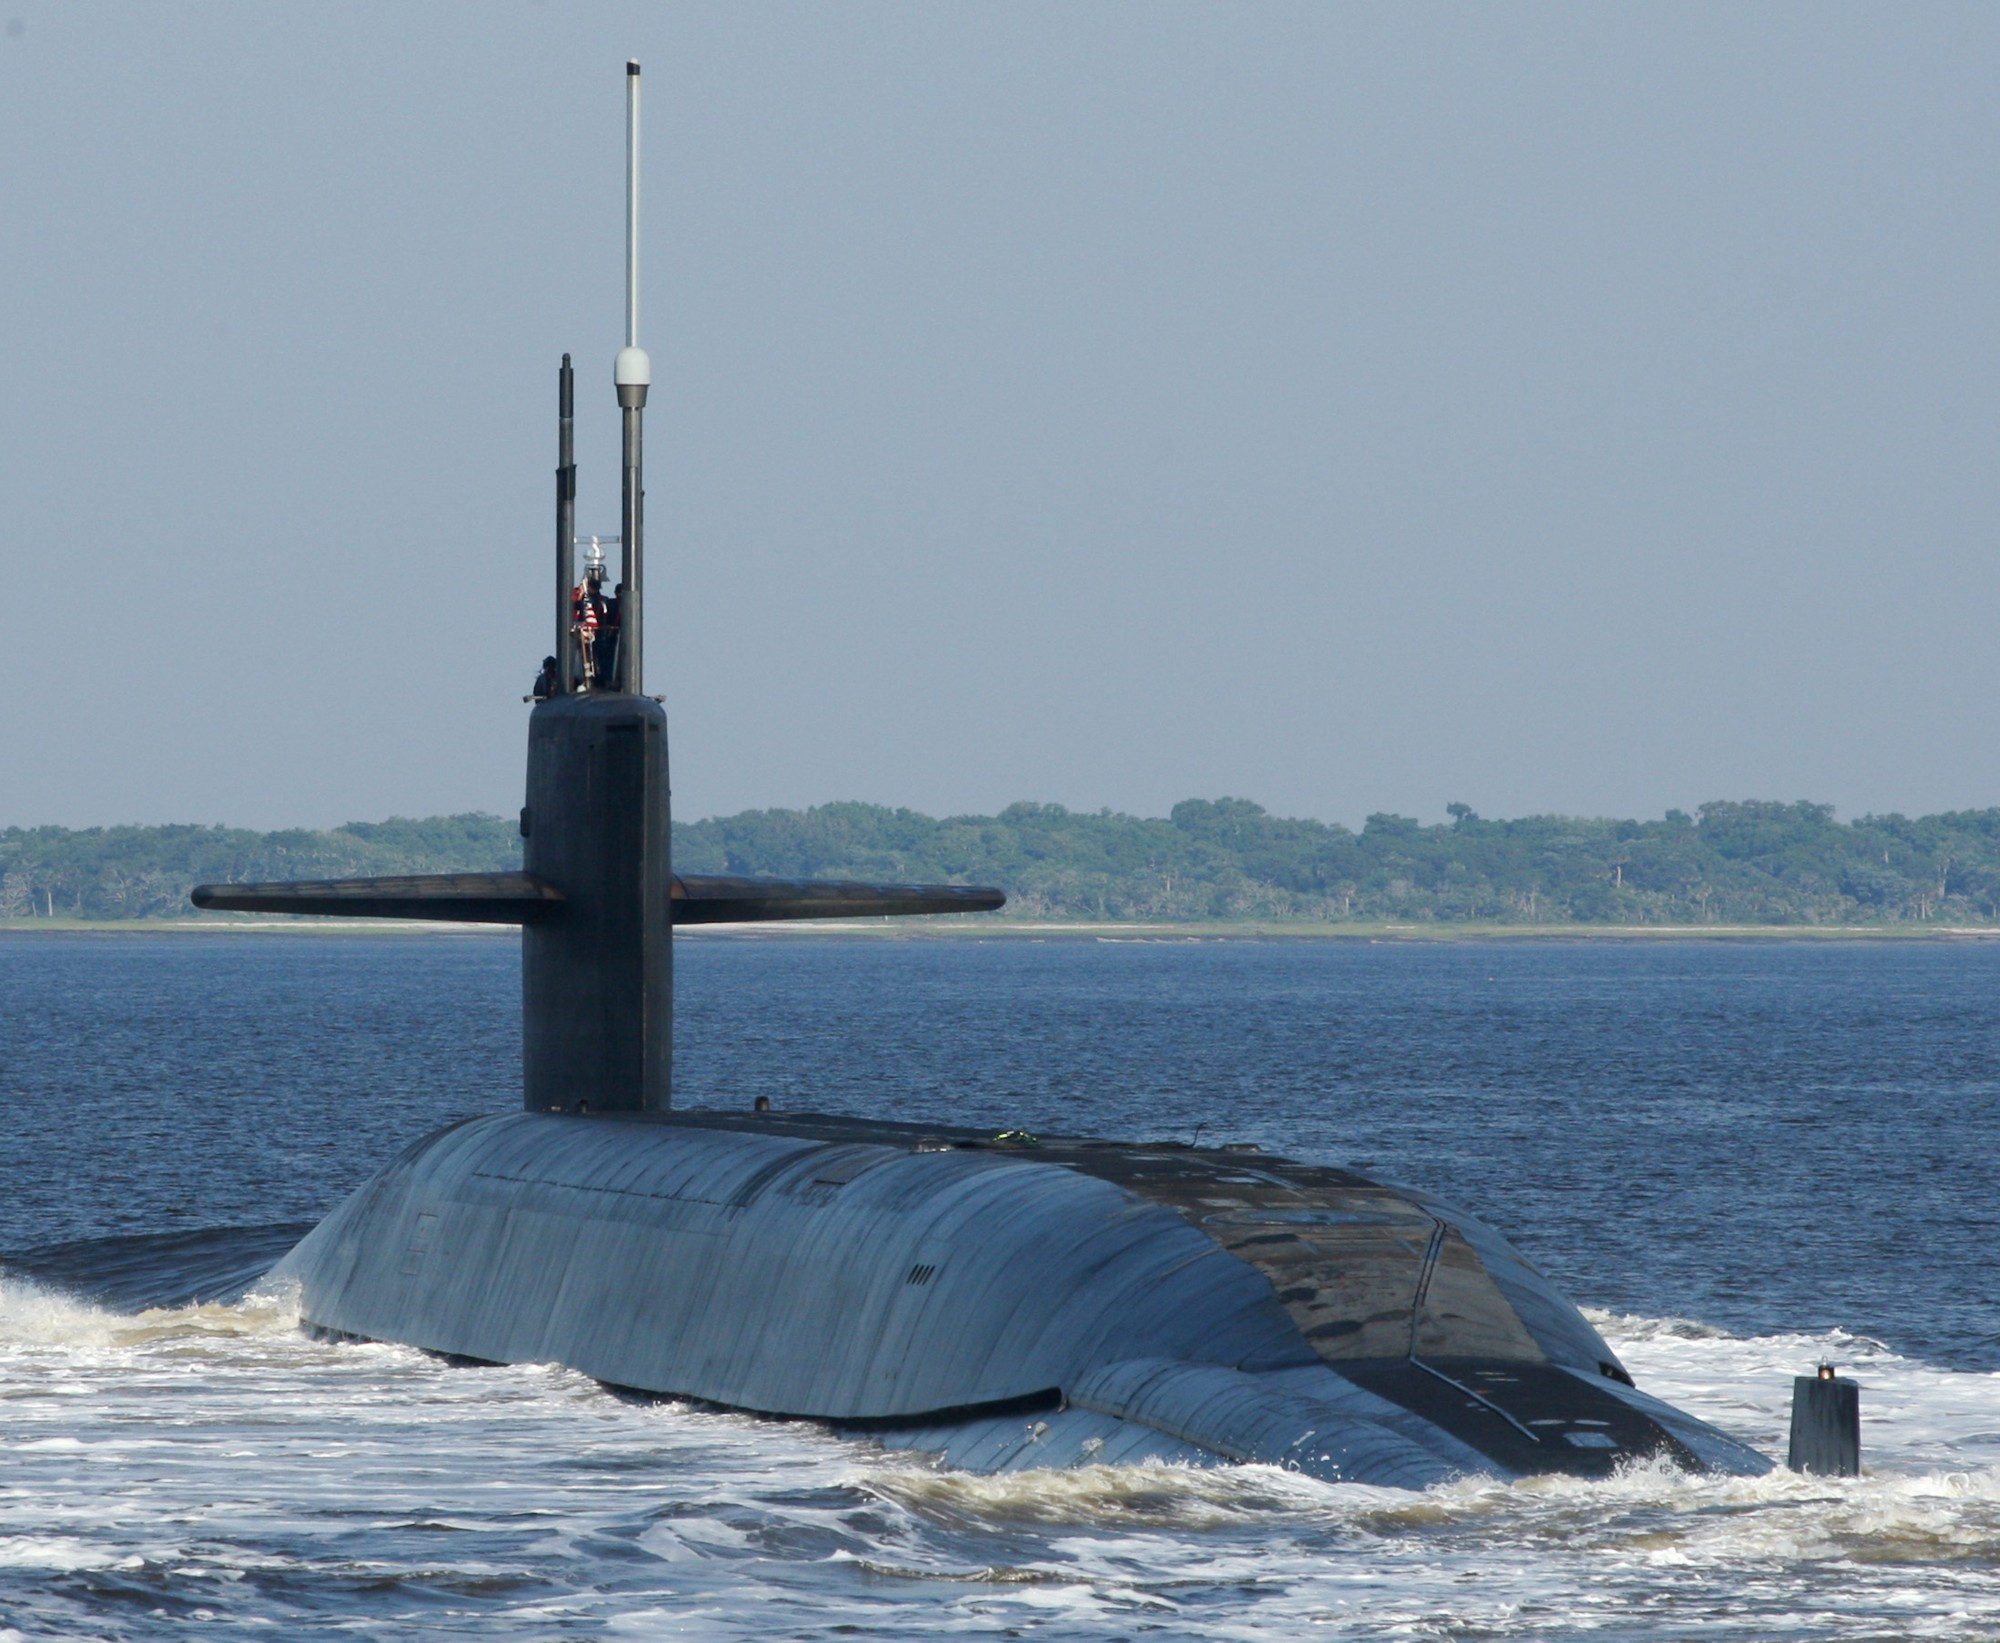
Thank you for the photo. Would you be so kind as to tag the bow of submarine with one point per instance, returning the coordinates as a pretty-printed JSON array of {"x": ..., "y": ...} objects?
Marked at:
[{"x": 1001, "y": 1306}]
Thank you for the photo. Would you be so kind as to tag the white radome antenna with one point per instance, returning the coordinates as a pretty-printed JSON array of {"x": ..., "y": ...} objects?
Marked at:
[{"x": 633, "y": 375}]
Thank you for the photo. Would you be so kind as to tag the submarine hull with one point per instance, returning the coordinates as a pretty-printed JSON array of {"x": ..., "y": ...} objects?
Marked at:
[
  {"x": 1000, "y": 1306},
  {"x": 996, "y": 1303}
]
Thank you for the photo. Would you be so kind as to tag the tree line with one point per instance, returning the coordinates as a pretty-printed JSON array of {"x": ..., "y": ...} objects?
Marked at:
[
  {"x": 146, "y": 872},
  {"x": 1750, "y": 862}
]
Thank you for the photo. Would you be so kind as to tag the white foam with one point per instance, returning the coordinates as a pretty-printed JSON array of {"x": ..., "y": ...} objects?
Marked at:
[
  {"x": 33, "y": 1316},
  {"x": 194, "y": 1448},
  {"x": 61, "y": 1556}
]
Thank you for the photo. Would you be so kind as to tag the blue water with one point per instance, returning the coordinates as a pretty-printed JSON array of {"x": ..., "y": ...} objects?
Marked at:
[
  {"x": 1744, "y": 1155},
  {"x": 1755, "y": 1134}
]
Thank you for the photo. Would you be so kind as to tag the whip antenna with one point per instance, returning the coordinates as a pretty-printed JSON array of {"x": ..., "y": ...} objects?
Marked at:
[{"x": 631, "y": 205}]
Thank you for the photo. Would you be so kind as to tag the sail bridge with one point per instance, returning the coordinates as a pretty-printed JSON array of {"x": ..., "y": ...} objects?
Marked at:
[{"x": 597, "y": 897}]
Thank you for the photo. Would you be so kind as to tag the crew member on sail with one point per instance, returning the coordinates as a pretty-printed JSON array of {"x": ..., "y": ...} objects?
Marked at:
[{"x": 590, "y": 617}]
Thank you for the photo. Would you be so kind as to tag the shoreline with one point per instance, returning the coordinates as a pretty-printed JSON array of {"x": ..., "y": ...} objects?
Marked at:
[{"x": 1108, "y": 931}]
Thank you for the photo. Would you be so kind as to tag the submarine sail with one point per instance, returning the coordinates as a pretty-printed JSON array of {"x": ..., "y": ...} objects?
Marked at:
[{"x": 1001, "y": 1302}]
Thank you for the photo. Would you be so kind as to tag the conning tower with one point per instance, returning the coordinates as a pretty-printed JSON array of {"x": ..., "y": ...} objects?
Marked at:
[
  {"x": 597, "y": 985},
  {"x": 597, "y": 897}
]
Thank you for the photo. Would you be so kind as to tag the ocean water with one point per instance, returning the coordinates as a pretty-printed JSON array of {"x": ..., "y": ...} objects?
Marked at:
[{"x": 1741, "y": 1157}]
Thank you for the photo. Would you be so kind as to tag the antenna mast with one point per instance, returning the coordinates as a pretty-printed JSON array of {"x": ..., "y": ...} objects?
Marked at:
[
  {"x": 633, "y": 374},
  {"x": 565, "y": 520}
]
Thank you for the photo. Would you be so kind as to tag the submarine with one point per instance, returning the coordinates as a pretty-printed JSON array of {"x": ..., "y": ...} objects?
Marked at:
[{"x": 997, "y": 1301}]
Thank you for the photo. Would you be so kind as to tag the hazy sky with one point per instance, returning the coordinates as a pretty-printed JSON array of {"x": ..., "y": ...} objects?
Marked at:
[{"x": 1579, "y": 408}]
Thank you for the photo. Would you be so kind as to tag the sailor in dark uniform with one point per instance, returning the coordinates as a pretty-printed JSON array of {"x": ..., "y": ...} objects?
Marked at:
[{"x": 607, "y": 640}]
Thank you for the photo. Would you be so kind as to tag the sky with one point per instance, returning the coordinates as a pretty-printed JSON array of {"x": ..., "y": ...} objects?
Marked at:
[{"x": 1573, "y": 409}]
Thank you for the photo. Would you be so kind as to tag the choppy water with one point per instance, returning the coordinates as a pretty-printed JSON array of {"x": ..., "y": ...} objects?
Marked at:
[{"x": 1748, "y": 1156}]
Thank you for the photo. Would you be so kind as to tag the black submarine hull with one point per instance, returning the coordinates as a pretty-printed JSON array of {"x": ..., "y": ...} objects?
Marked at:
[{"x": 1001, "y": 1306}]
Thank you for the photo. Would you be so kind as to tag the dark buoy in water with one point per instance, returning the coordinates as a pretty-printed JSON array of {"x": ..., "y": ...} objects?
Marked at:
[{"x": 1826, "y": 1425}]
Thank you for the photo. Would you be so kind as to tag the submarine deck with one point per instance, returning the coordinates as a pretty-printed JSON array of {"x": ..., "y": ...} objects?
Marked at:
[
  {"x": 1365, "y": 1269},
  {"x": 907, "y": 1275},
  {"x": 834, "y": 1129}
]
